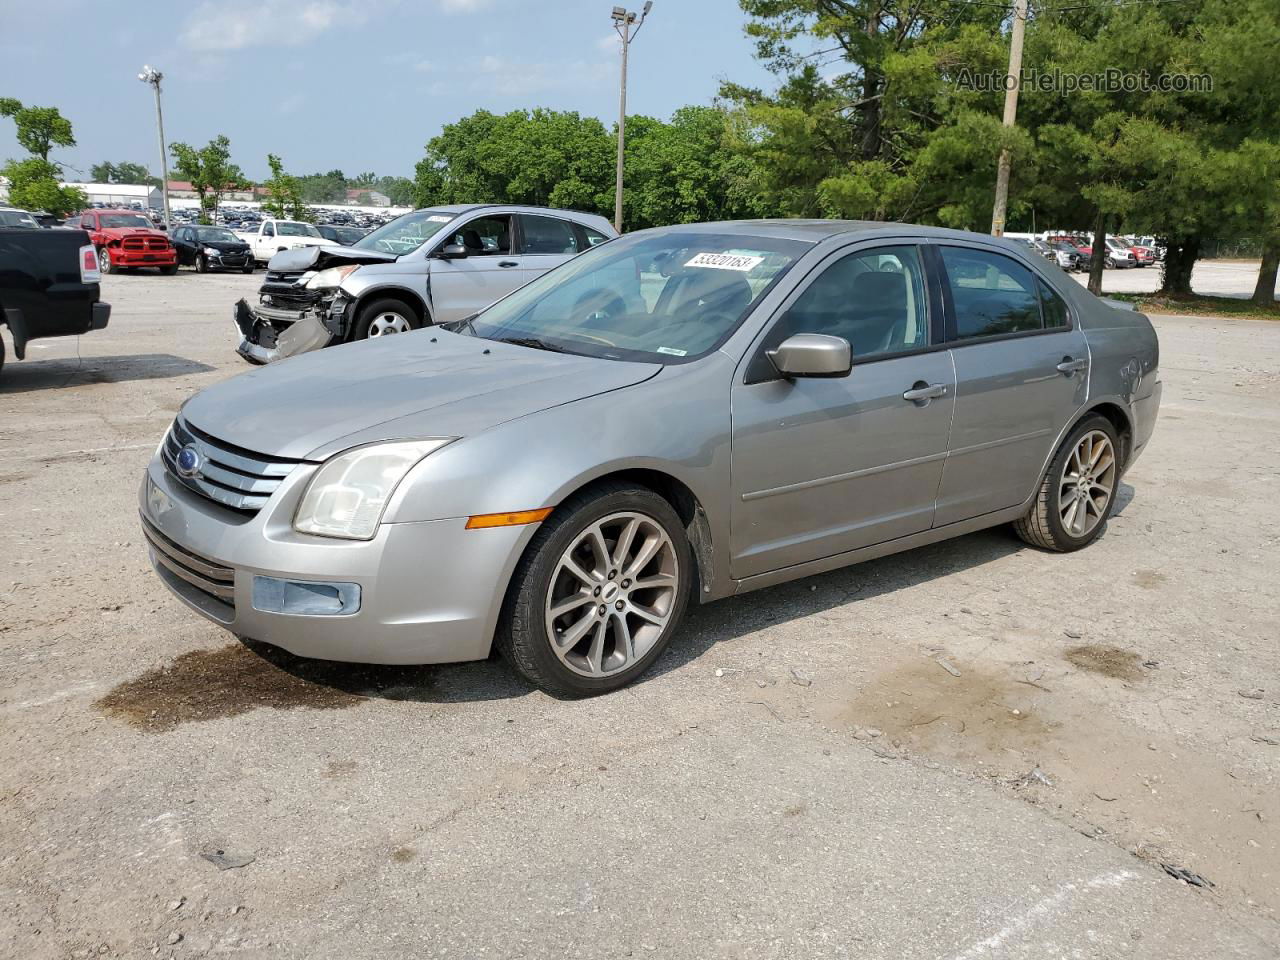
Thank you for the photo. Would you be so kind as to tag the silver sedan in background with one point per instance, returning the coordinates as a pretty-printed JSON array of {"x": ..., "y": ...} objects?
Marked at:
[{"x": 676, "y": 416}]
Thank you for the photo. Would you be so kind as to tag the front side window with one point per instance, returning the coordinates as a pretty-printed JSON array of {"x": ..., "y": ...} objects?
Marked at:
[
  {"x": 991, "y": 294},
  {"x": 547, "y": 235},
  {"x": 664, "y": 298},
  {"x": 875, "y": 299},
  {"x": 485, "y": 236},
  {"x": 268, "y": 230}
]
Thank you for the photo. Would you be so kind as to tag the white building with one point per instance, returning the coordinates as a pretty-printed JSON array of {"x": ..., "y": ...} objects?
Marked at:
[{"x": 120, "y": 194}]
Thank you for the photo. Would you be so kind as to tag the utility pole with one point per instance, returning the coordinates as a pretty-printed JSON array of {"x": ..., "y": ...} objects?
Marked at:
[
  {"x": 1012, "y": 82},
  {"x": 151, "y": 76},
  {"x": 622, "y": 22}
]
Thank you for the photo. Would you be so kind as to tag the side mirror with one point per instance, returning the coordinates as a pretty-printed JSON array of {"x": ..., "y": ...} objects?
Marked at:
[
  {"x": 813, "y": 355},
  {"x": 453, "y": 251}
]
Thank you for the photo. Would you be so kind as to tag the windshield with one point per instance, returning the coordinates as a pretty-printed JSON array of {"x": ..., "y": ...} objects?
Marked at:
[
  {"x": 215, "y": 234},
  {"x": 662, "y": 297},
  {"x": 288, "y": 228},
  {"x": 17, "y": 218},
  {"x": 124, "y": 220},
  {"x": 407, "y": 233}
]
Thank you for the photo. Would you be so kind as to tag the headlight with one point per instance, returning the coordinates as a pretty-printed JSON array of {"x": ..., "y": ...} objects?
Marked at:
[
  {"x": 210, "y": 252},
  {"x": 347, "y": 496},
  {"x": 327, "y": 279}
]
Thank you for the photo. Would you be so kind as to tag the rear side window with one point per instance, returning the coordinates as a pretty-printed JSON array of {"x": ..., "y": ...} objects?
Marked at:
[
  {"x": 1053, "y": 307},
  {"x": 594, "y": 237},
  {"x": 548, "y": 235},
  {"x": 992, "y": 294}
]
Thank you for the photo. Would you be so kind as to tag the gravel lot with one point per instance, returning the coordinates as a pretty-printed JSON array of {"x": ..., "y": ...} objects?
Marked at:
[{"x": 801, "y": 777}]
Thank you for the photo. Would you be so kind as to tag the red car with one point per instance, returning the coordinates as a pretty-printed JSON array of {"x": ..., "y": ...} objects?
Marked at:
[
  {"x": 1145, "y": 255},
  {"x": 125, "y": 239}
]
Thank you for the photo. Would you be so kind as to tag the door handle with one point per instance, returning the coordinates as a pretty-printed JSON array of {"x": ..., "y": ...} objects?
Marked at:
[
  {"x": 508, "y": 263},
  {"x": 922, "y": 392},
  {"x": 1069, "y": 366}
]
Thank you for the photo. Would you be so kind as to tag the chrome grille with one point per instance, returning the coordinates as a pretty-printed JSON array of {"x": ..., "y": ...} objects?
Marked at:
[
  {"x": 229, "y": 475},
  {"x": 207, "y": 576}
]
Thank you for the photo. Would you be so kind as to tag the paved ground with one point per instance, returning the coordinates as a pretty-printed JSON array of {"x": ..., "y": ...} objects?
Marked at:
[
  {"x": 1214, "y": 278},
  {"x": 799, "y": 778}
]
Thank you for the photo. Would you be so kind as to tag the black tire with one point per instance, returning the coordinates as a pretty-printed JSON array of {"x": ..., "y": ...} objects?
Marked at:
[
  {"x": 169, "y": 269},
  {"x": 522, "y": 631},
  {"x": 370, "y": 314},
  {"x": 1, "y": 355},
  {"x": 248, "y": 267},
  {"x": 1043, "y": 525},
  {"x": 202, "y": 265},
  {"x": 104, "y": 262}
]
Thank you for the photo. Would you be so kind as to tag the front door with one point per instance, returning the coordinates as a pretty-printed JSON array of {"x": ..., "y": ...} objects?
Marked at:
[
  {"x": 487, "y": 273},
  {"x": 824, "y": 466},
  {"x": 1021, "y": 374}
]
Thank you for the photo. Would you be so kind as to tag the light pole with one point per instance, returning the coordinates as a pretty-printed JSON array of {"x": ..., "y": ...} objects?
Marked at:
[
  {"x": 623, "y": 21},
  {"x": 152, "y": 76},
  {"x": 1012, "y": 84}
]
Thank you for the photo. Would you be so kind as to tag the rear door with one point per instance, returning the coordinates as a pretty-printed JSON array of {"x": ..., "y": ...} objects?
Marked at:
[
  {"x": 488, "y": 272},
  {"x": 1021, "y": 374},
  {"x": 546, "y": 242}
]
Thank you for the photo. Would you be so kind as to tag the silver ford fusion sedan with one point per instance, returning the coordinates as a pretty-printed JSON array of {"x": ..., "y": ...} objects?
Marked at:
[{"x": 679, "y": 415}]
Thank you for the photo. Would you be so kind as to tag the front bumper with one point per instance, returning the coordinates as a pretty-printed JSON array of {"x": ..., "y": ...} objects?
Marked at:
[
  {"x": 229, "y": 261},
  {"x": 429, "y": 592},
  {"x": 142, "y": 258},
  {"x": 267, "y": 335}
]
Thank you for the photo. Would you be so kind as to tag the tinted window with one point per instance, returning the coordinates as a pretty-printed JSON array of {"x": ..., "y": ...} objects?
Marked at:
[
  {"x": 875, "y": 299},
  {"x": 992, "y": 294},
  {"x": 594, "y": 237},
  {"x": 268, "y": 230},
  {"x": 548, "y": 235},
  {"x": 1053, "y": 306}
]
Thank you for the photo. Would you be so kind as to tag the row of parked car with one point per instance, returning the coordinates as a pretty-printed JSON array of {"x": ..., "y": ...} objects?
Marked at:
[{"x": 1075, "y": 252}]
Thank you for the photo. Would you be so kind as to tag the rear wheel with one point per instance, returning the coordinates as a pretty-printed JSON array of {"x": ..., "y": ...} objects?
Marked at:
[
  {"x": 599, "y": 593},
  {"x": 383, "y": 318},
  {"x": 1078, "y": 490},
  {"x": 104, "y": 261}
]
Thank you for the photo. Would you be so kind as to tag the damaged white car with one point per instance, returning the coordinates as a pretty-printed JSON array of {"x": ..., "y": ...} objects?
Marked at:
[{"x": 426, "y": 267}]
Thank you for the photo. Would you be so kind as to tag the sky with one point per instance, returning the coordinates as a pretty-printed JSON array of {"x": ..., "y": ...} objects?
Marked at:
[{"x": 355, "y": 85}]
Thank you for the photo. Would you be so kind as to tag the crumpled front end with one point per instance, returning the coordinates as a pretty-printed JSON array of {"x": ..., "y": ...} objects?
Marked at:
[{"x": 290, "y": 318}]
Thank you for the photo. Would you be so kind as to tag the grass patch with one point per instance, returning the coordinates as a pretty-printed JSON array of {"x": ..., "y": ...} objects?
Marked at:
[{"x": 1198, "y": 306}]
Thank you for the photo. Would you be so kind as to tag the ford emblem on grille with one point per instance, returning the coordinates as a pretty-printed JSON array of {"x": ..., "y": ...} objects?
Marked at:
[{"x": 188, "y": 460}]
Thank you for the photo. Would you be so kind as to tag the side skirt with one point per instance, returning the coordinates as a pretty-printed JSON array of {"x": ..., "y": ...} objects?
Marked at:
[{"x": 921, "y": 539}]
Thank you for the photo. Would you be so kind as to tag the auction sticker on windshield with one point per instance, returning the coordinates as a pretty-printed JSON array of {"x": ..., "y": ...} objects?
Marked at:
[
  {"x": 438, "y": 218},
  {"x": 726, "y": 261}
]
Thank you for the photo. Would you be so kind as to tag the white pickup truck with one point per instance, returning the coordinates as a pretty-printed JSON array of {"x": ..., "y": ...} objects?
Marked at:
[{"x": 272, "y": 236}]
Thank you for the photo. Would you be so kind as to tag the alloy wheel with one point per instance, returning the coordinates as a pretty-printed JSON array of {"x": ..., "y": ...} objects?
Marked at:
[
  {"x": 612, "y": 594},
  {"x": 1088, "y": 483},
  {"x": 104, "y": 261},
  {"x": 388, "y": 323}
]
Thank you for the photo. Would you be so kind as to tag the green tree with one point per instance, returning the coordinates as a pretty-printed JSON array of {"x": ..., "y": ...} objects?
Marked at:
[
  {"x": 284, "y": 193},
  {"x": 544, "y": 157},
  {"x": 123, "y": 172},
  {"x": 34, "y": 185},
  {"x": 328, "y": 187},
  {"x": 209, "y": 170},
  {"x": 399, "y": 190},
  {"x": 39, "y": 128}
]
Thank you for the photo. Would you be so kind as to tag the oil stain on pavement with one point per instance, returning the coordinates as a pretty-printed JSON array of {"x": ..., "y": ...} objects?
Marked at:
[
  {"x": 234, "y": 679},
  {"x": 1108, "y": 661}
]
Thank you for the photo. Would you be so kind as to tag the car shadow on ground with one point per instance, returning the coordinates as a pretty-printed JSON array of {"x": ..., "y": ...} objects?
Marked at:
[
  {"x": 28, "y": 375},
  {"x": 704, "y": 627}
]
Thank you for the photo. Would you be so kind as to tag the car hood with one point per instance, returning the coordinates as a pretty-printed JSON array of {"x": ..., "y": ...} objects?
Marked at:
[
  {"x": 133, "y": 232},
  {"x": 429, "y": 383},
  {"x": 319, "y": 258},
  {"x": 224, "y": 245}
]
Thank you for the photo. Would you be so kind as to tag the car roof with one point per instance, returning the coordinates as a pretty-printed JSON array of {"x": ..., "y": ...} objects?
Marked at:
[{"x": 816, "y": 231}]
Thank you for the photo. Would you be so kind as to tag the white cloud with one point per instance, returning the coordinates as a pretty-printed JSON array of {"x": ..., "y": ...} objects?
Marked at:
[
  {"x": 609, "y": 43},
  {"x": 236, "y": 24},
  {"x": 463, "y": 6},
  {"x": 500, "y": 75}
]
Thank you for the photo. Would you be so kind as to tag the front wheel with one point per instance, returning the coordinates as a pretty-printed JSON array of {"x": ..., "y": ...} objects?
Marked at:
[
  {"x": 599, "y": 593},
  {"x": 104, "y": 262},
  {"x": 169, "y": 269},
  {"x": 382, "y": 318},
  {"x": 1078, "y": 490},
  {"x": 202, "y": 265}
]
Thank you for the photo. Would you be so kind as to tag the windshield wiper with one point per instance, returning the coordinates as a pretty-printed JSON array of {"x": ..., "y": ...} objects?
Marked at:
[{"x": 532, "y": 342}]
